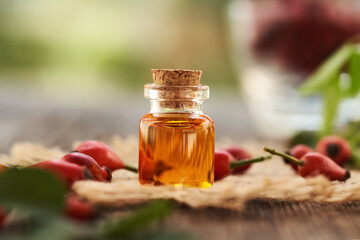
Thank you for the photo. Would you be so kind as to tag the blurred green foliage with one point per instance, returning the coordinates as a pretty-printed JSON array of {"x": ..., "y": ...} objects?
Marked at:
[
  {"x": 117, "y": 41},
  {"x": 19, "y": 54},
  {"x": 34, "y": 200}
]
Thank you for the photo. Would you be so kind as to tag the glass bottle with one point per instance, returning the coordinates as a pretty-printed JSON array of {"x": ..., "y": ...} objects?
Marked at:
[{"x": 176, "y": 139}]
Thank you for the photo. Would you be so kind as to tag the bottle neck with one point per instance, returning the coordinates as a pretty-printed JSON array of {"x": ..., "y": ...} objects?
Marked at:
[
  {"x": 176, "y": 99},
  {"x": 161, "y": 106}
]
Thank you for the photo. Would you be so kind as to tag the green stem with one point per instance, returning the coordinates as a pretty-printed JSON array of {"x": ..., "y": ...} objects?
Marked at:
[
  {"x": 355, "y": 161},
  {"x": 130, "y": 168},
  {"x": 242, "y": 162},
  {"x": 354, "y": 140},
  {"x": 331, "y": 101},
  {"x": 284, "y": 155}
]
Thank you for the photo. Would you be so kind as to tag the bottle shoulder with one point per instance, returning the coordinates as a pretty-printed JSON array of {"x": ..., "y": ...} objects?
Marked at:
[
  {"x": 177, "y": 118},
  {"x": 208, "y": 118},
  {"x": 163, "y": 116}
]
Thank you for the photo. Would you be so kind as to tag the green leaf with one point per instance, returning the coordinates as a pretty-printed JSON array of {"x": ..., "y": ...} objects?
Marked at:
[
  {"x": 324, "y": 74},
  {"x": 56, "y": 228},
  {"x": 354, "y": 71},
  {"x": 355, "y": 158},
  {"x": 32, "y": 190},
  {"x": 45, "y": 227},
  {"x": 352, "y": 132},
  {"x": 304, "y": 137},
  {"x": 138, "y": 220},
  {"x": 331, "y": 101}
]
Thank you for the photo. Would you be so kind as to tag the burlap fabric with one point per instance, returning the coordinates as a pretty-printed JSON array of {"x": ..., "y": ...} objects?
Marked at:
[{"x": 270, "y": 179}]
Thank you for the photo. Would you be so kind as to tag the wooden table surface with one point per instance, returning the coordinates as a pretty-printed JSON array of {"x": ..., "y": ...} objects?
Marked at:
[
  {"x": 273, "y": 219},
  {"x": 262, "y": 218}
]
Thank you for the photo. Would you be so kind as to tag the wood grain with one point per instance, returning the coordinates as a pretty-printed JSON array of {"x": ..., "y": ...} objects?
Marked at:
[
  {"x": 261, "y": 219},
  {"x": 272, "y": 219}
]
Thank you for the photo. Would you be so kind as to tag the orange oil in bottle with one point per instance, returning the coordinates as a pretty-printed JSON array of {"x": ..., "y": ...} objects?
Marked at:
[{"x": 176, "y": 149}]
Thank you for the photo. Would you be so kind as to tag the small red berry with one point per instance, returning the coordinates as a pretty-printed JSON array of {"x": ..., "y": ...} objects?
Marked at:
[
  {"x": 79, "y": 209},
  {"x": 102, "y": 153},
  {"x": 239, "y": 153},
  {"x": 315, "y": 164},
  {"x": 65, "y": 171},
  {"x": 319, "y": 164},
  {"x": 222, "y": 160},
  {"x": 336, "y": 148},
  {"x": 298, "y": 151},
  {"x": 100, "y": 173}
]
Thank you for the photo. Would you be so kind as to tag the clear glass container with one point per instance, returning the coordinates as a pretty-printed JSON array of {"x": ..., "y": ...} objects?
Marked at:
[
  {"x": 176, "y": 139},
  {"x": 276, "y": 44}
]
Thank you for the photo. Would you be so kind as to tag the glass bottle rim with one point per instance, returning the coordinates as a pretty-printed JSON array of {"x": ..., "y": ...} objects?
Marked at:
[{"x": 176, "y": 93}]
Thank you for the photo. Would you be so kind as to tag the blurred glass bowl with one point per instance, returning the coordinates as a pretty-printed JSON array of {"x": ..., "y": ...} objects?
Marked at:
[{"x": 276, "y": 44}]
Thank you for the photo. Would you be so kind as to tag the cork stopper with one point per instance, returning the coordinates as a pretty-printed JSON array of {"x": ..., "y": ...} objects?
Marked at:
[
  {"x": 176, "y": 77},
  {"x": 176, "y": 88}
]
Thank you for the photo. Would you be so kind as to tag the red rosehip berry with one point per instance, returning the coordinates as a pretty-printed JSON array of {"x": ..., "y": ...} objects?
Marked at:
[
  {"x": 336, "y": 148},
  {"x": 65, "y": 171},
  {"x": 239, "y": 153},
  {"x": 315, "y": 164},
  {"x": 103, "y": 155},
  {"x": 222, "y": 160},
  {"x": 225, "y": 163},
  {"x": 298, "y": 151},
  {"x": 99, "y": 173},
  {"x": 79, "y": 209}
]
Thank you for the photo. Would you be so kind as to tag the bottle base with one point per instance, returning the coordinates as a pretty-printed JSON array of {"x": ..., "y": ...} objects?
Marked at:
[{"x": 204, "y": 184}]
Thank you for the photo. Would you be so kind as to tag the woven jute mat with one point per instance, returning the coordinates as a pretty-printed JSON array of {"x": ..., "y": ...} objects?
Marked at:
[{"x": 270, "y": 179}]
